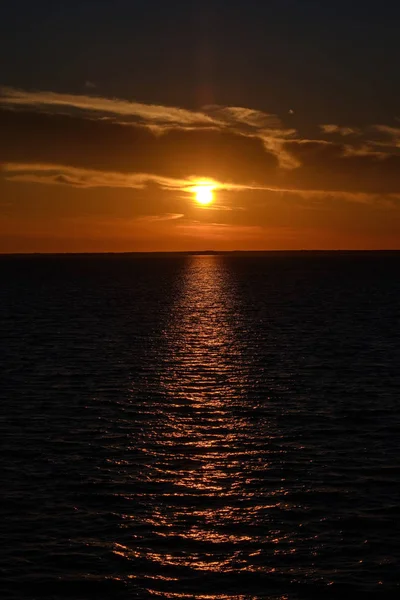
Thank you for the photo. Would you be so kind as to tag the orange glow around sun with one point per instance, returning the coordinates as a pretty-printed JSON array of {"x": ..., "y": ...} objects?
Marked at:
[{"x": 203, "y": 193}]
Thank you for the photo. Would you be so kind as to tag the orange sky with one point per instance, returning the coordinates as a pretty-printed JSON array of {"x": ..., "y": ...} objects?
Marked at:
[{"x": 81, "y": 173}]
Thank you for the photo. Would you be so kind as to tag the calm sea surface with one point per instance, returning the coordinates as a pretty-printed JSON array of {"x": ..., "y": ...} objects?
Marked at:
[{"x": 211, "y": 427}]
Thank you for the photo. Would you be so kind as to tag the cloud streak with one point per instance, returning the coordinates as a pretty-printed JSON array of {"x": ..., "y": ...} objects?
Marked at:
[
  {"x": 53, "y": 174},
  {"x": 161, "y": 119},
  {"x": 343, "y": 131},
  {"x": 85, "y": 178},
  {"x": 87, "y": 141},
  {"x": 151, "y": 113}
]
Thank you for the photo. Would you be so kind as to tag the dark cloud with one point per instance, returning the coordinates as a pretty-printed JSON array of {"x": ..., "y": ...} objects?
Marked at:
[
  {"x": 331, "y": 167},
  {"x": 29, "y": 137}
]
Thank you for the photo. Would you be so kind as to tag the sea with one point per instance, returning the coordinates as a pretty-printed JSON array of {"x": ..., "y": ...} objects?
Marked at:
[{"x": 200, "y": 426}]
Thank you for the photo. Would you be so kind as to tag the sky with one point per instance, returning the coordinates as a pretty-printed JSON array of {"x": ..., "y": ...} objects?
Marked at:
[{"x": 112, "y": 113}]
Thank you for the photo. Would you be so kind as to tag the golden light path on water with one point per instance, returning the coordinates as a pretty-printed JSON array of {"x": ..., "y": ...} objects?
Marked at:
[{"x": 206, "y": 455}]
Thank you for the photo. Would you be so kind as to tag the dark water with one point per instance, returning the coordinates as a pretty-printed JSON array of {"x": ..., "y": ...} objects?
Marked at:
[{"x": 220, "y": 427}]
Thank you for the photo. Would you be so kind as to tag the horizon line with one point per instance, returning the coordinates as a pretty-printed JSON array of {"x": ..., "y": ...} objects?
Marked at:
[{"x": 203, "y": 252}]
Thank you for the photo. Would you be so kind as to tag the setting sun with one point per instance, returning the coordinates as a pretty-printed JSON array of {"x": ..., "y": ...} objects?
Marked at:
[{"x": 203, "y": 194}]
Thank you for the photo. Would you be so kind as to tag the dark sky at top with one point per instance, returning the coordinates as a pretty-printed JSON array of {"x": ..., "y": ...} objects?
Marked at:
[{"x": 329, "y": 61}]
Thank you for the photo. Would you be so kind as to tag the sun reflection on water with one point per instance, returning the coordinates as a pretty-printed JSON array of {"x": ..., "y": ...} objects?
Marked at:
[
  {"x": 205, "y": 350},
  {"x": 205, "y": 379},
  {"x": 203, "y": 512}
]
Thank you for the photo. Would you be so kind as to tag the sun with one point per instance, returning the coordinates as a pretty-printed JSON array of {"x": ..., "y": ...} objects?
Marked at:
[{"x": 203, "y": 194}]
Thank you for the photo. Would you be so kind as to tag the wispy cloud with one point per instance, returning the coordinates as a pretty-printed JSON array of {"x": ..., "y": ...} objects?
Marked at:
[
  {"x": 265, "y": 126},
  {"x": 89, "y": 141},
  {"x": 374, "y": 135},
  {"x": 252, "y": 118},
  {"x": 390, "y": 135},
  {"x": 343, "y": 131},
  {"x": 364, "y": 150},
  {"x": 103, "y": 106},
  {"x": 87, "y": 178},
  {"x": 159, "y": 218},
  {"x": 160, "y": 119}
]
